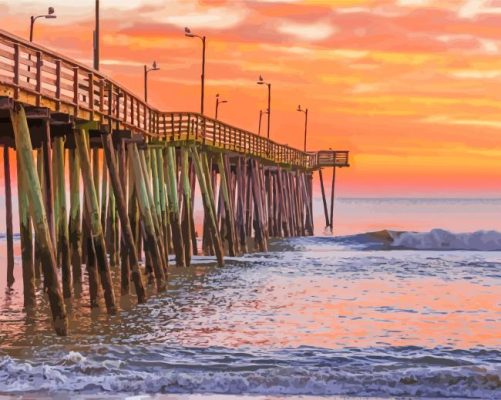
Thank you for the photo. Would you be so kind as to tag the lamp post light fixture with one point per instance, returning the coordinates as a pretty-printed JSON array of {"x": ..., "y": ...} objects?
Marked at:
[
  {"x": 49, "y": 15},
  {"x": 154, "y": 67},
  {"x": 188, "y": 33},
  {"x": 305, "y": 111},
  {"x": 261, "y": 81},
  {"x": 261, "y": 112},
  {"x": 218, "y": 101}
]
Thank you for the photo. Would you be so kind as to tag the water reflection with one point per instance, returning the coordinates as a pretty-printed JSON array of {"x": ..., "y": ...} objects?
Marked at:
[{"x": 313, "y": 296}]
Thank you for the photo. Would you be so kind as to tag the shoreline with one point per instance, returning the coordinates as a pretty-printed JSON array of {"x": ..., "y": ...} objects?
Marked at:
[{"x": 197, "y": 396}]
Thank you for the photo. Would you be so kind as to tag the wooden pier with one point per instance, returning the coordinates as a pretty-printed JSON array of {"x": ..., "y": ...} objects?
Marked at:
[{"x": 106, "y": 181}]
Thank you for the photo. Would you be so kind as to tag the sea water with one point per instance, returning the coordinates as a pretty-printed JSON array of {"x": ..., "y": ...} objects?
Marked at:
[{"x": 414, "y": 311}]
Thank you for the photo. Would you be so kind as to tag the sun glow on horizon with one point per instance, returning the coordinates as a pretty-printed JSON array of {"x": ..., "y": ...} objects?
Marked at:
[{"x": 409, "y": 86}]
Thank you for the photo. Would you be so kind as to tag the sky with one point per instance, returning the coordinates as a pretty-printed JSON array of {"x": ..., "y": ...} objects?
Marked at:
[{"x": 411, "y": 87}]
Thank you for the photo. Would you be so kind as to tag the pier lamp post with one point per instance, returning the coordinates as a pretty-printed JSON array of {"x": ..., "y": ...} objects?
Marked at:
[
  {"x": 188, "y": 33},
  {"x": 261, "y": 81},
  {"x": 261, "y": 112},
  {"x": 154, "y": 67},
  {"x": 49, "y": 15},
  {"x": 96, "y": 37},
  {"x": 305, "y": 111},
  {"x": 218, "y": 101}
]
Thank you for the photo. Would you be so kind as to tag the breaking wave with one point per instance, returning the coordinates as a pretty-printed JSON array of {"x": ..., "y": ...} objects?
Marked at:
[
  {"x": 408, "y": 371},
  {"x": 436, "y": 239}
]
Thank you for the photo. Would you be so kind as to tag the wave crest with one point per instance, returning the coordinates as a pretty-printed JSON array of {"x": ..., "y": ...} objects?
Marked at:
[
  {"x": 436, "y": 239},
  {"x": 77, "y": 373},
  {"x": 440, "y": 239}
]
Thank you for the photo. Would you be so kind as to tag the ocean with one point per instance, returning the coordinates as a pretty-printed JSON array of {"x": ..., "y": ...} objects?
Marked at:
[{"x": 403, "y": 300}]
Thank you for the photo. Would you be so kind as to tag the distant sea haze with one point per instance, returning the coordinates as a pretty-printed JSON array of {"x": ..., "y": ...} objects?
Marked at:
[{"x": 458, "y": 215}]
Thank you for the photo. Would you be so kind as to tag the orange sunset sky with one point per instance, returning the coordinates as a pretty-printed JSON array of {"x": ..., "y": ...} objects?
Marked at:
[{"x": 411, "y": 87}]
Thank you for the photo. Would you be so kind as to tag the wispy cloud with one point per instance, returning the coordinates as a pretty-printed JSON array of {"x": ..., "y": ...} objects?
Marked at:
[
  {"x": 444, "y": 119},
  {"x": 475, "y": 8},
  {"x": 214, "y": 17},
  {"x": 307, "y": 31},
  {"x": 476, "y": 74}
]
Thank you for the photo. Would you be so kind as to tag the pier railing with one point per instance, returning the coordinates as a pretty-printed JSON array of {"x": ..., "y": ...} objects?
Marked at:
[
  {"x": 331, "y": 158},
  {"x": 40, "y": 77}
]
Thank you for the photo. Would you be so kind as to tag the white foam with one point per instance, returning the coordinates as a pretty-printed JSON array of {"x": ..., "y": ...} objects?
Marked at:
[
  {"x": 439, "y": 239},
  {"x": 466, "y": 381}
]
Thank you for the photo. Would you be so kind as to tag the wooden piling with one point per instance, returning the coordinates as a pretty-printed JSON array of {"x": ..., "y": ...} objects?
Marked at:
[
  {"x": 8, "y": 218},
  {"x": 187, "y": 214},
  {"x": 55, "y": 196},
  {"x": 207, "y": 246},
  {"x": 26, "y": 239},
  {"x": 125, "y": 259},
  {"x": 151, "y": 170},
  {"x": 228, "y": 206},
  {"x": 194, "y": 243},
  {"x": 324, "y": 200},
  {"x": 111, "y": 234},
  {"x": 36, "y": 259},
  {"x": 101, "y": 176},
  {"x": 162, "y": 194},
  {"x": 47, "y": 180},
  {"x": 90, "y": 257},
  {"x": 62, "y": 221},
  {"x": 146, "y": 217},
  {"x": 333, "y": 187},
  {"x": 118, "y": 191},
  {"x": 94, "y": 221},
  {"x": 259, "y": 228},
  {"x": 160, "y": 242},
  {"x": 207, "y": 202},
  {"x": 304, "y": 181},
  {"x": 241, "y": 203},
  {"x": 24, "y": 222},
  {"x": 175, "y": 224},
  {"x": 37, "y": 210},
  {"x": 75, "y": 232}
]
